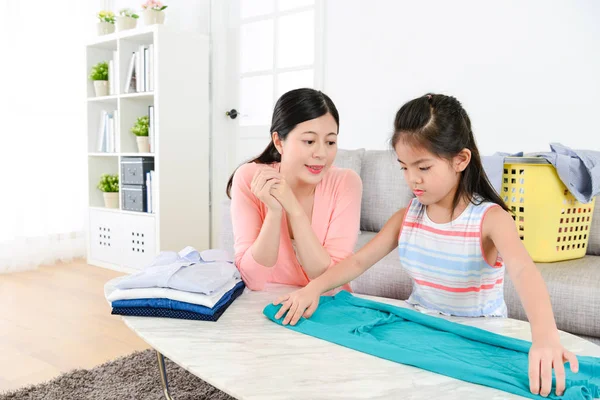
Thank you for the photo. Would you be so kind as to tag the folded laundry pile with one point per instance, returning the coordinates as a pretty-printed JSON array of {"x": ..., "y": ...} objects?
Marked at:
[{"x": 188, "y": 285}]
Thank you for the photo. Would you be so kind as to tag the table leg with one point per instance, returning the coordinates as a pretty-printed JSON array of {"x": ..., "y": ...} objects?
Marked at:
[{"x": 163, "y": 375}]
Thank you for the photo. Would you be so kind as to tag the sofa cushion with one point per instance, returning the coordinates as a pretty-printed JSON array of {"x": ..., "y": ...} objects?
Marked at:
[
  {"x": 351, "y": 159},
  {"x": 386, "y": 278},
  {"x": 573, "y": 288},
  {"x": 384, "y": 189},
  {"x": 594, "y": 240},
  {"x": 574, "y": 292}
]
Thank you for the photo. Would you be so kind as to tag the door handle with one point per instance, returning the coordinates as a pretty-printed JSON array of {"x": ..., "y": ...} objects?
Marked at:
[{"x": 232, "y": 113}]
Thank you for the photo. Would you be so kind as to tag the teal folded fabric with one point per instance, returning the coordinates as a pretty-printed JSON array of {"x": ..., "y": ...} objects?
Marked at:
[{"x": 434, "y": 344}]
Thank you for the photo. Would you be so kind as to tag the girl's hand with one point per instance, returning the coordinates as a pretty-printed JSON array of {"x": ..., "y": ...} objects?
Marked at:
[
  {"x": 301, "y": 303},
  {"x": 284, "y": 194},
  {"x": 261, "y": 186},
  {"x": 543, "y": 356}
]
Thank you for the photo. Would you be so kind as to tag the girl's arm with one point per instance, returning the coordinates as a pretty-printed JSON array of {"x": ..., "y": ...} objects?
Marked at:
[
  {"x": 305, "y": 301},
  {"x": 546, "y": 351}
]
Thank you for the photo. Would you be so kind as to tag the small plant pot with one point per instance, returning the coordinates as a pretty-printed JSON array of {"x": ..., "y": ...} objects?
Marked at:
[
  {"x": 105, "y": 28},
  {"x": 101, "y": 88},
  {"x": 143, "y": 144},
  {"x": 152, "y": 17},
  {"x": 125, "y": 23},
  {"x": 111, "y": 199}
]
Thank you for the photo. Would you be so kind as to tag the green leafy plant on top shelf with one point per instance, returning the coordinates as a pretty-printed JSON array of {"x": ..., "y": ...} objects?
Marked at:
[
  {"x": 128, "y": 12},
  {"x": 106, "y": 16},
  {"x": 140, "y": 128},
  {"x": 109, "y": 183},
  {"x": 99, "y": 72}
]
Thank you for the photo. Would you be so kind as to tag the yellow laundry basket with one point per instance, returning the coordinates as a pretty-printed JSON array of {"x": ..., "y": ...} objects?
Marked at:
[{"x": 552, "y": 224}]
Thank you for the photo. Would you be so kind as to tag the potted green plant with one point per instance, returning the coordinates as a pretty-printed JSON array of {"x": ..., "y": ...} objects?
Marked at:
[
  {"x": 140, "y": 130},
  {"x": 109, "y": 185},
  {"x": 153, "y": 12},
  {"x": 106, "y": 22},
  {"x": 99, "y": 74},
  {"x": 127, "y": 19}
]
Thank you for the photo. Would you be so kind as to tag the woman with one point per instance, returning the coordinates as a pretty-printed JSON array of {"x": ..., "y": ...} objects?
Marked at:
[{"x": 294, "y": 214}]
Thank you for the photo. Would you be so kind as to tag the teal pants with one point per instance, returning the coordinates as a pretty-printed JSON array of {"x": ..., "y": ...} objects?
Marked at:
[{"x": 434, "y": 344}]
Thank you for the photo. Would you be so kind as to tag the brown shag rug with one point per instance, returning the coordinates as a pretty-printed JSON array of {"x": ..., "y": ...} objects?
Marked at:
[{"x": 132, "y": 377}]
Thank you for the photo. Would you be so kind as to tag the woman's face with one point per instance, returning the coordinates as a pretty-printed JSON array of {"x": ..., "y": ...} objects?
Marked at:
[{"x": 309, "y": 149}]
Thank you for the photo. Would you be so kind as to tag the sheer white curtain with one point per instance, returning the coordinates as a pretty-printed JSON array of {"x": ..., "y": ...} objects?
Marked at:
[{"x": 43, "y": 186}]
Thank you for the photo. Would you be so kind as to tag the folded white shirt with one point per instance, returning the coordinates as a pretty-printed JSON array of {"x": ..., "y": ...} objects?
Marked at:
[
  {"x": 114, "y": 294},
  {"x": 189, "y": 270}
]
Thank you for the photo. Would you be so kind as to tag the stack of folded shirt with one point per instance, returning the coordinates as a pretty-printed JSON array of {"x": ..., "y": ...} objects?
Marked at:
[{"x": 187, "y": 285}]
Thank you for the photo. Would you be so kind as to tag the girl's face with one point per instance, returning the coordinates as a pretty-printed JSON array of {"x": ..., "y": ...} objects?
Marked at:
[
  {"x": 432, "y": 179},
  {"x": 309, "y": 149}
]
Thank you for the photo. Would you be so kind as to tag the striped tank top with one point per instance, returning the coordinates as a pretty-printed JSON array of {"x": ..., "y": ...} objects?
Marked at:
[{"x": 446, "y": 263}]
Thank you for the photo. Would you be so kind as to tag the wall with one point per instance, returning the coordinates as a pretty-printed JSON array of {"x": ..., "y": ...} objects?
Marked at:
[{"x": 528, "y": 73}]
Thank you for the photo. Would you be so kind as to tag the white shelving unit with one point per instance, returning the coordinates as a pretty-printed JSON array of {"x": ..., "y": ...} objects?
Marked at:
[{"x": 126, "y": 240}]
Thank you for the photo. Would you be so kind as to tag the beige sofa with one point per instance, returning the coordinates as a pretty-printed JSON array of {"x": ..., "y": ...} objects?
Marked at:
[{"x": 574, "y": 285}]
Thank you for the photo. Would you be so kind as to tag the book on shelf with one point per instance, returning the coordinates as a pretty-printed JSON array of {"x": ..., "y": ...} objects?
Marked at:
[
  {"x": 139, "y": 69},
  {"x": 101, "y": 146},
  {"x": 151, "y": 134},
  {"x": 112, "y": 76},
  {"x": 149, "y": 191},
  {"x": 116, "y": 134},
  {"x": 107, "y": 136},
  {"x": 145, "y": 69},
  {"x": 153, "y": 189},
  {"x": 107, "y": 131},
  {"x": 140, "y": 73},
  {"x": 130, "y": 84},
  {"x": 150, "y": 71}
]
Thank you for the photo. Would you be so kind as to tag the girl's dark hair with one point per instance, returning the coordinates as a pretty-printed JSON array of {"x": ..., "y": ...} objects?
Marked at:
[
  {"x": 440, "y": 124},
  {"x": 292, "y": 108}
]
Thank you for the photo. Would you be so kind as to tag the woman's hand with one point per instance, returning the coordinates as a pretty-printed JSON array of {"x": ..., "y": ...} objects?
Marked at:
[
  {"x": 301, "y": 303},
  {"x": 286, "y": 197},
  {"x": 262, "y": 184},
  {"x": 544, "y": 355}
]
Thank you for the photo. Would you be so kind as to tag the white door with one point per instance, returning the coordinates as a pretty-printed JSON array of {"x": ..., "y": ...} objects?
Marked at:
[{"x": 260, "y": 50}]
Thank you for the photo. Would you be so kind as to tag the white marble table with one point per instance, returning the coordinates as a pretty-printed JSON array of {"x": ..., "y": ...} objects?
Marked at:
[{"x": 249, "y": 357}]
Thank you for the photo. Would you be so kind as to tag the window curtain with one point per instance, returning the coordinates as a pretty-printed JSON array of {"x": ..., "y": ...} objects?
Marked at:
[{"x": 43, "y": 160}]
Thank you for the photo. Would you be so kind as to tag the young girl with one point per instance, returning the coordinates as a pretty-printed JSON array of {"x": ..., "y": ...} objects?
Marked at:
[
  {"x": 450, "y": 238},
  {"x": 294, "y": 214}
]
